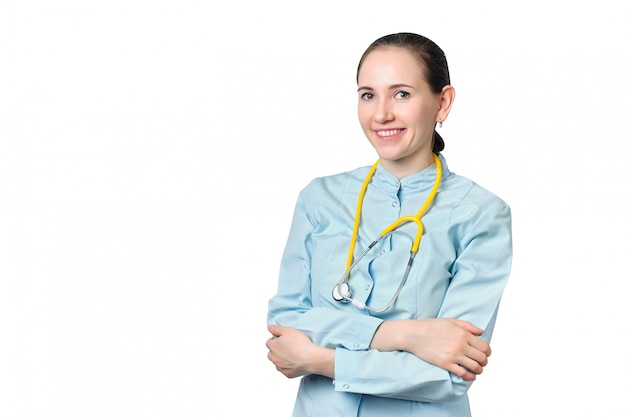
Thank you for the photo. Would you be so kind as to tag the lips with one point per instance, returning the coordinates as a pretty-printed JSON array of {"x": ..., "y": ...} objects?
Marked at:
[{"x": 388, "y": 133}]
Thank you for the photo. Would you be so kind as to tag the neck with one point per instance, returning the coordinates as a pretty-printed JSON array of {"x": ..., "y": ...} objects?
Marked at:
[{"x": 404, "y": 167}]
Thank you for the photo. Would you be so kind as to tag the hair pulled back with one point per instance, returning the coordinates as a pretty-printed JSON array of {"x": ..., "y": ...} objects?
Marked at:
[{"x": 435, "y": 64}]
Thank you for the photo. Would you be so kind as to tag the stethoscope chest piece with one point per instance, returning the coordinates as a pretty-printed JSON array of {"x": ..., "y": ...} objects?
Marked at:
[{"x": 341, "y": 291}]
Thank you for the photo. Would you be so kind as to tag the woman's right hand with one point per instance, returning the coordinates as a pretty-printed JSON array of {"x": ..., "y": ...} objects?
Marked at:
[{"x": 451, "y": 344}]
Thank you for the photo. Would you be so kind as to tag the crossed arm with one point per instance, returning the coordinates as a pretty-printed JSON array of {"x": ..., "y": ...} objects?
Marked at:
[
  {"x": 480, "y": 270},
  {"x": 453, "y": 345}
]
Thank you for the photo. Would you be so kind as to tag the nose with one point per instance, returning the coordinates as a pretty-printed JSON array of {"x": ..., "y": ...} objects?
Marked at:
[{"x": 384, "y": 112}]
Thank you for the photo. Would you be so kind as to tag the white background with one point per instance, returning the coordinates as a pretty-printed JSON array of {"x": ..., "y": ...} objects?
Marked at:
[{"x": 150, "y": 157}]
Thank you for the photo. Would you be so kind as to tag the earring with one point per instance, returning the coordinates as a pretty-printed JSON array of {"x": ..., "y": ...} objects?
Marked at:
[{"x": 440, "y": 123}]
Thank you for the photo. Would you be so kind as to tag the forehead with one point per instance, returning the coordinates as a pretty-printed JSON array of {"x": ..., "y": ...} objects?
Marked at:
[{"x": 392, "y": 64}]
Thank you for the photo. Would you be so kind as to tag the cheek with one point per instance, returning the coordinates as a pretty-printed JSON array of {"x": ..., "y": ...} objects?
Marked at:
[
  {"x": 364, "y": 116},
  {"x": 421, "y": 118}
]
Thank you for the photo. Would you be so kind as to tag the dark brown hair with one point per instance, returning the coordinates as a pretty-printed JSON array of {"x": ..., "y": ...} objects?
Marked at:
[{"x": 427, "y": 52}]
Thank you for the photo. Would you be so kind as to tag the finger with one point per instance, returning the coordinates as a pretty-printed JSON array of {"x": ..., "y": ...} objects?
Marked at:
[
  {"x": 471, "y": 365},
  {"x": 470, "y": 327},
  {"x": 474, "y": 360},
  {"x": 480, "y": 345},
  {"x": 275, "y": 330},
  {"x": 476, "y": 355},
  {"x": 463, "y": 372}
]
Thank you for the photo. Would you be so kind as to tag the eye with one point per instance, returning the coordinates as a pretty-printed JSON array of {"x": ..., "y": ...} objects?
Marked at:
[
  {"x": 402, "y": 95},
  {"x": 367, "y": 96}
]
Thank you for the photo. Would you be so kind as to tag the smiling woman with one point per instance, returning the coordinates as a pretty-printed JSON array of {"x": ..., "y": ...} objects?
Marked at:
[
  {"x": 397, "y": 108},
  {"x": 333, "y": 323}
]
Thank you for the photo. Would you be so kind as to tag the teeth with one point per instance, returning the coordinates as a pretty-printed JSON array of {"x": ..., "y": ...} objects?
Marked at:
[{"x": 388, "y": 132}]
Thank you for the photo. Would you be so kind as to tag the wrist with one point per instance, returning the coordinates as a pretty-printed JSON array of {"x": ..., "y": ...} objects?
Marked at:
[
  {"x": 389, "y": 336},
  {"x": 322, "y": 362}
]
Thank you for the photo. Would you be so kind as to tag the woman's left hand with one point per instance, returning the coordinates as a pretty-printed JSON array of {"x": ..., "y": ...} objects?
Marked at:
[{"x": 294, "y": 354}]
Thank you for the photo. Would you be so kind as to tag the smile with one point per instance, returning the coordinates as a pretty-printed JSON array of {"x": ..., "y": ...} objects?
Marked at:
[{"x": 388, "y": 133}]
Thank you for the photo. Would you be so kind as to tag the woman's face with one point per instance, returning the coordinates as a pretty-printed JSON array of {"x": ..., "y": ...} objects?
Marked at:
[{"x": 397, "y": 110}]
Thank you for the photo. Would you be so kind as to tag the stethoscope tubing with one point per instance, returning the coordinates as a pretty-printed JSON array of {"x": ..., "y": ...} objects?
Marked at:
[{"x": 341, "y": 291}]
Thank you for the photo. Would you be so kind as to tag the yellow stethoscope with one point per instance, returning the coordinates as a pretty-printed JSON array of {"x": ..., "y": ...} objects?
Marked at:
[{"x": 341, "y": 291}]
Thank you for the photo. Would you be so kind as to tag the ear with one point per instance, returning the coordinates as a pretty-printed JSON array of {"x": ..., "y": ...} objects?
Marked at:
[{"x": 446, "y": 98}]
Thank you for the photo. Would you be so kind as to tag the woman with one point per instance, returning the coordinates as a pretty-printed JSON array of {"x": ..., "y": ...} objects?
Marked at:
[{"x": 369, "y": 339}]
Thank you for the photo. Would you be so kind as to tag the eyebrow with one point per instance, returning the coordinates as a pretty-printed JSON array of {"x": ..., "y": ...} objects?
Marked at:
[{"x": 391, "y": 87}]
